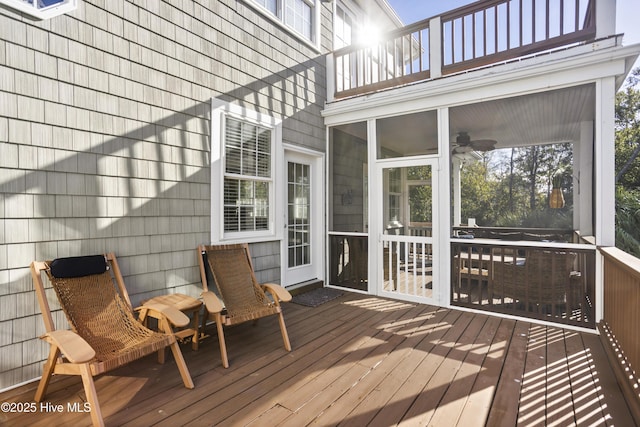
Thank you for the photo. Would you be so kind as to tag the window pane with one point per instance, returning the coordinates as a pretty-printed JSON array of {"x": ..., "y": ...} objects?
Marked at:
[
  {"x": 234, "y": 160},
  {"x": 263, "y": 153},
  {"x": 270, "y": 5},
  {"x": 297, "y": 15},
  {"x": 247, "y": 149},
  {"x": 249, "y": 163},
  {"x": 46, "y": 3}
]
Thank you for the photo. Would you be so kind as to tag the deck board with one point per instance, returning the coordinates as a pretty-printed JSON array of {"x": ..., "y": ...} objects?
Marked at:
[
  {"x": 505, "y": 405},
  {"x": 361, "y": 360}
]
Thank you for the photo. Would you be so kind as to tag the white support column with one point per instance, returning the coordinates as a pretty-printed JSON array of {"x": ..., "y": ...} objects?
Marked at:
[
  {"x": 605, "y": 18},
  {"x": 375, "y": 213},
  {"x": 583, "y": 181},
  {"x": 577, "y": 170},
  {"x": 604, "y": 159},
  {"x": 442, "y": 228},
  {"x": 604, "y": 184},
  {"x": 456, "y": 167},
  {"x": 435, "y": 47}
]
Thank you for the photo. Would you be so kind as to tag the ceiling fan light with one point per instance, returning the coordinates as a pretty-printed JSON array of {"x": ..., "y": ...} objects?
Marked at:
[{"x": 462, "y": 149}]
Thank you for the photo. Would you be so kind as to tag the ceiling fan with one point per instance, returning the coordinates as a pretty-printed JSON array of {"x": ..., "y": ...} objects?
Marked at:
[{"x": 464, "y": 144}]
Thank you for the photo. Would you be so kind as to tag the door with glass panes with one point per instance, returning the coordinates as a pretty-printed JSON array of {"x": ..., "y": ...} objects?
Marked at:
[{"x": 302, "y": 245}]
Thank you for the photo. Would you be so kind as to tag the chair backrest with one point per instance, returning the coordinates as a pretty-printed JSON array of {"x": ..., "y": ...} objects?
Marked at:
[
  {"x": 94, "y": 300},
  {"x": 542, "y": 278},
  {"x": 553, "y": 270},
  {"x": 232, "y": 271}
]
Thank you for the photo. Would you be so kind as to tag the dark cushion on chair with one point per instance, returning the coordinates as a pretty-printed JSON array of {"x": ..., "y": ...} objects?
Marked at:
[{"x": 78, "y": 266}]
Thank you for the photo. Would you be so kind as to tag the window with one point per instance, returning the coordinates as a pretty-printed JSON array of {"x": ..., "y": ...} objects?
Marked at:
[
  {"x": 343, "y": 27},
  {"x": 245, "y": 155},
  {"x": 247, "y": 176},
  {"x": 347, "y": 22},
  {"x": 299, "y": 15},
  {"x": 42, "y": 9}
]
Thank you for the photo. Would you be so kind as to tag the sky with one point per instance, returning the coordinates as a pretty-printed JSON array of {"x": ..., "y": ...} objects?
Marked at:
[{"x": 410, "y": 11}]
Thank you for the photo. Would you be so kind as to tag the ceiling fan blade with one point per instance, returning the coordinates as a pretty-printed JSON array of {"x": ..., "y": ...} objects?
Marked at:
[{"x": 483, "y": 144}]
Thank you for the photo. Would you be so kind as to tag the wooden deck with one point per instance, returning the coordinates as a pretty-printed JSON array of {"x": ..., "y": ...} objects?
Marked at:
[{"x": 361, "y": 360}]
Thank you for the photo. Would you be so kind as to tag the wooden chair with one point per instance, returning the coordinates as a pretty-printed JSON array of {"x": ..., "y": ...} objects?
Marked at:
[
  {"x": 243, "y": 299},
  {"x": 105, "y": 335}
]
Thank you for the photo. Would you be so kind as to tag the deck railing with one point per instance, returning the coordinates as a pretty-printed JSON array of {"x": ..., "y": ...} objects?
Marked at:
[
  {"x": 472, "y": 36},
  {"x": 545, "y": 281},
  {"x": 499, "y": 30},
  {"x": 621, "y": 322},
  {"x": 403, "y": 57}
]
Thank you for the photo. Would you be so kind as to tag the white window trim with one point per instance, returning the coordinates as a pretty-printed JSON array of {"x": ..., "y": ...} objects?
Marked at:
[
  {"x": 278, "y": 20},
  {"x": 41, "y": 13},
  {"x": 219, "y": 111}
]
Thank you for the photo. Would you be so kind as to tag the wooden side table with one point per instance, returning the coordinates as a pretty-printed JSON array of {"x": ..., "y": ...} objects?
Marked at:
[{"x": 189, "y": 306}]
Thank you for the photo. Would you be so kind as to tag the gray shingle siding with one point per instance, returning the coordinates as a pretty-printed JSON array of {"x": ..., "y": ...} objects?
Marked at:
[{"x": 104, "y": 140}]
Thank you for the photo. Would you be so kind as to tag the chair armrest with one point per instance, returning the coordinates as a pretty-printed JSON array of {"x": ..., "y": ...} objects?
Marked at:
[
  {"x": 72, "y": 345},
  {"x": 159, "y": 311},
  {"x": 277, "y": 291},
  {"x": 211, "y": 302}
]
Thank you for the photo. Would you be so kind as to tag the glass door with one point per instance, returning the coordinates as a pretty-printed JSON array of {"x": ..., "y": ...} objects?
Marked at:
[{"x": 302, "y": 246}]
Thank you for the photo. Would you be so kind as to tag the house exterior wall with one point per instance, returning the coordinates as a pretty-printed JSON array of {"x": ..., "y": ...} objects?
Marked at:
[{"x": 105, "y": 140}]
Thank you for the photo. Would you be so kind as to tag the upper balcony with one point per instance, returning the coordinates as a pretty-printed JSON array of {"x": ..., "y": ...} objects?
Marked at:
[{"x": 476, "y": 35}]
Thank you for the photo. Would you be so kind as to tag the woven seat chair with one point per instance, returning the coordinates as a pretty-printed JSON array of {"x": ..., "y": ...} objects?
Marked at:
[
  {"x": 241, "y": 297},
  {"x": 542, "y": 279},
  {"x": 105, "y": 333}
]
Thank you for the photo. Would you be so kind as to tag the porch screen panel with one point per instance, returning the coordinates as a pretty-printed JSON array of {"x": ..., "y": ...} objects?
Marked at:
[
  {"x": 407, "y": 135},
  {"x": 407, "y": 242},
  {"x": 348, "y": 179},
  {"x": 348, "y": 215}
]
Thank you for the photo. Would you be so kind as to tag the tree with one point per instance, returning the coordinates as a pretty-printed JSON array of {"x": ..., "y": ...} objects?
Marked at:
[
  {"x": 627, "y": 115},
  {"x": 511, "y": 187}
]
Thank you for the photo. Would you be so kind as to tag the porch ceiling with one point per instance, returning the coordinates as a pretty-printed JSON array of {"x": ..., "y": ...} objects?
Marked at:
[{"x": 540, "y": 118}]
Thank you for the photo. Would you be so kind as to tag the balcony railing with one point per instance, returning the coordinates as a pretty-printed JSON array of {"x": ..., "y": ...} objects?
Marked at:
[{"x": 469, "y": 37}]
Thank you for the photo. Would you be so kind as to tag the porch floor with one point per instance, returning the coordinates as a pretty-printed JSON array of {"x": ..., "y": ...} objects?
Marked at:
[{"x": 360, "y": 360}]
